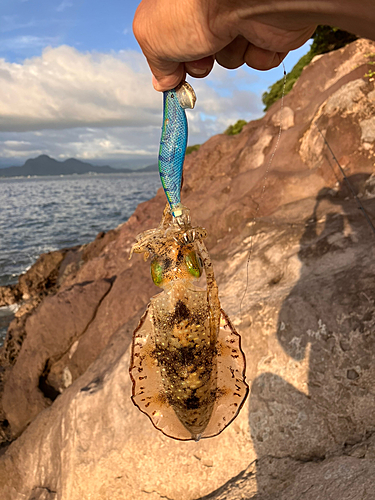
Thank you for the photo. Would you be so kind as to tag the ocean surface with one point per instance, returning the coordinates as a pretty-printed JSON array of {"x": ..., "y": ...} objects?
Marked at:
[{"x": 41, "y": 214}]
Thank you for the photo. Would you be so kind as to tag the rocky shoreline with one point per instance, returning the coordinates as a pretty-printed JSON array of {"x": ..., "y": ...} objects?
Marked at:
[{"x": 67, "y": 425}]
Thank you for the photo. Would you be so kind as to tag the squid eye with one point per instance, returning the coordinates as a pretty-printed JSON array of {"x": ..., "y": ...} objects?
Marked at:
[
  {"x": 156, "y": 272},
  {"x": 193, "y": 263},
  {"x": 200, "y": 262}
]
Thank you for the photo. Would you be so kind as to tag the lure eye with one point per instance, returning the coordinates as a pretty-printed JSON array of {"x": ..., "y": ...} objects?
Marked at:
[
  {"x": 193, "y": 263},
  {"x": 156, "y": 272}
]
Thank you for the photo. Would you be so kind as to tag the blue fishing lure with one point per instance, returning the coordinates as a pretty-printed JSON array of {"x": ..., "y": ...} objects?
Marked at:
[{"x": 173, "y": 142}]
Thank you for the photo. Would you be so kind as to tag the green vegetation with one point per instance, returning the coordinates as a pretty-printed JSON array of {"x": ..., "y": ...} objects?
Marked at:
[
  {"x": 190, "y": 149},
  {"x": 236, "y": 128},
  {"x": 275, "y": 91},
  {"x": 325, "y": 39},
  {"x": 371, "y": 73}
]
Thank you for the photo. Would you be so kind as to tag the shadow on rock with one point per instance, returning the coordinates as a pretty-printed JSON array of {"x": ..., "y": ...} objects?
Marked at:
[{"x": 328, "y": 318}]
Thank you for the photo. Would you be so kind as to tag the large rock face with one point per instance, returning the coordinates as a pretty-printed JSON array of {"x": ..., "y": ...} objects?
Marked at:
[{"x": 296, "y": 269}]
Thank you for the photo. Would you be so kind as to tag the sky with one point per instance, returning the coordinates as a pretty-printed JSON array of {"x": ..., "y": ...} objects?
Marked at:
[{"x": 74, "y": 83}]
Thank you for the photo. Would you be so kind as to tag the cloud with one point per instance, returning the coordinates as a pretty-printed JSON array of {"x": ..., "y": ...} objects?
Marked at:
[
  {"x": 109, "y": 145},
  {"x": 17, "y": 145},
  {"x": 222, "y": 99},
  {"x": 65, "y": 88},
  {"x": 92, "y": 105},
  {"x": 27, "y": 42},
  {"x": 64, "y": 5},
  {"x": 11, "y": 23}
]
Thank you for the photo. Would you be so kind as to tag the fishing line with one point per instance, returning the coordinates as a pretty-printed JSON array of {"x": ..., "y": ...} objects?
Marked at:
[
  {"x": 348, "y": 183},
  {"x": 264, "y": 187}
]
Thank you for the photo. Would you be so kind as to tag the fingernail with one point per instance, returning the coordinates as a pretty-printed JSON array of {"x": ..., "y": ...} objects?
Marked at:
[{"x": 198, "y": 71}]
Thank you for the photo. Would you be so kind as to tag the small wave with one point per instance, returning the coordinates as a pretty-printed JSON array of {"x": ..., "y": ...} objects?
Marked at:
[
  {"x": 8, "y": 310},
  {"x": 44, "y": 214}
]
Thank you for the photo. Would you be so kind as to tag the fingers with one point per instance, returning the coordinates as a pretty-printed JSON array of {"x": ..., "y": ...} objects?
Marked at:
[
  {"x": 233, "y": 55},
  {"x": 201, "y": 67},
  {"x": 168, "y": 77},
  {"x": 240, "y": 52},
  {"x": 185, "y": 36},
  {"x": 177, "y": 72},
  {"x": 149, "y": 22},
  {"x": 172, "y": 36},
  {"x": 262, "y": 59}
]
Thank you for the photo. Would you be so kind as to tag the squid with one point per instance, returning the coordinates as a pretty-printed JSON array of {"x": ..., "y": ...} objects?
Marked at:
[{"x": 187, "y": 366}]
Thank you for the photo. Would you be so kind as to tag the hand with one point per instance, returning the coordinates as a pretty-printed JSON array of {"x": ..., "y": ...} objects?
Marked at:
[{"x": 186, "y": 36}]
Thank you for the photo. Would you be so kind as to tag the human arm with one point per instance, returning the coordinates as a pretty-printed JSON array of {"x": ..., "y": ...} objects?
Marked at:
[{"x": 186, "y": 36}]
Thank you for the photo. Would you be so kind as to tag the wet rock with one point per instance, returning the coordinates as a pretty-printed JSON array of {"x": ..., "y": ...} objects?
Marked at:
[
  {"x": 42, "y": 275},
  {"x": 9, "y": 295}
]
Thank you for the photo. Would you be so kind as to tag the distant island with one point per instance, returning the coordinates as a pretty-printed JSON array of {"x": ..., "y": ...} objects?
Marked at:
[{"x": 44, "y": 165}]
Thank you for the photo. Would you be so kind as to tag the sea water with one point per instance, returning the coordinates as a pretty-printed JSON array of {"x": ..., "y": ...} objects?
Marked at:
[{"x": 42, "y": 214}]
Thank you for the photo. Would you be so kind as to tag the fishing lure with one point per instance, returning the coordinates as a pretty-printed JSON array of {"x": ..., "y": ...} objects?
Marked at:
[
  {"x": 187, "y": 366},
  {"x": 173, "y": 143}
]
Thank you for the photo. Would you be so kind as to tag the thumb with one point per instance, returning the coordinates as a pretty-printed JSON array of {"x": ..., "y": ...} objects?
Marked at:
[{"x": 166, "y": 75}]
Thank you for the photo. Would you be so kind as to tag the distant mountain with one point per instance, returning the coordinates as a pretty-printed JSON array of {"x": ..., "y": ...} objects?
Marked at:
[
  {"x": 44, "y": 165},
  {"x": 150, "y": 168}
]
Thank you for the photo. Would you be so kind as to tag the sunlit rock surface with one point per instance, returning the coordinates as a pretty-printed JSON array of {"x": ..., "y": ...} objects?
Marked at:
[{"x": 304, "y": 306}]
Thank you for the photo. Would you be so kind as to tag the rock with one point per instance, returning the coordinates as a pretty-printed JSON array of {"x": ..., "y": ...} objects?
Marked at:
[
  {"x": 38, "y": 281},
  {"x": 346, "y": 99},
  {"x": 252, "y": 156},
  {"x": 42, "y": 275},
  {"x": 9, "y": 295},
  {"x": 43, "y": 494},
  {"x": 294, "y": 259},
  {"x": 335, "y": 478},
  {"x": 368, "y": 130},
  {"x": 285, "y": 117},
  {"x": 58, "y": 323},
  {"x": 371, "y": 96},
  {"x": 369, "y": 187},
  {"x": 109, "y": 318},
  {"x": 331, "y": 479},
  {"x": 312, "y": 145}
]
